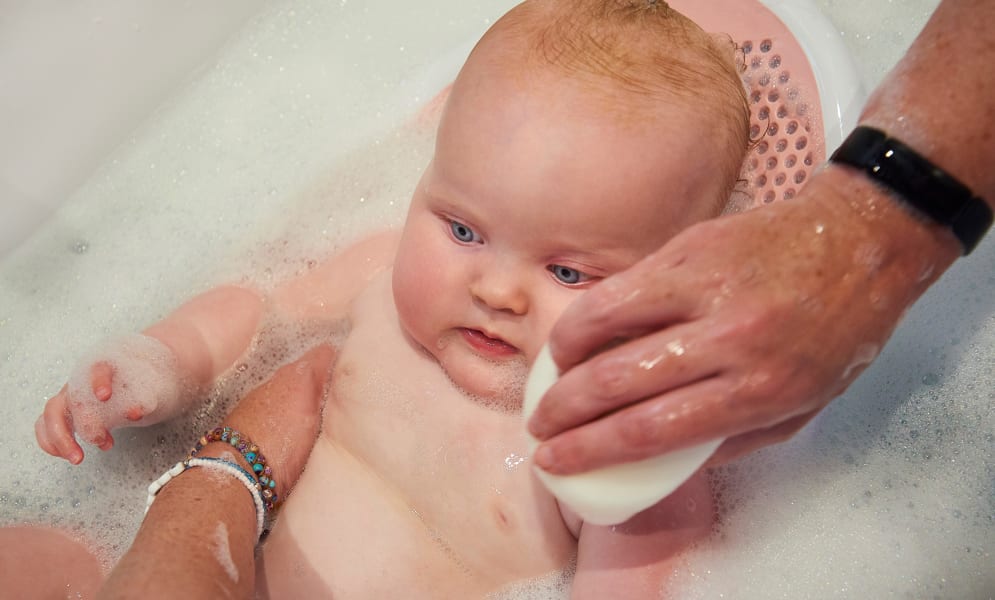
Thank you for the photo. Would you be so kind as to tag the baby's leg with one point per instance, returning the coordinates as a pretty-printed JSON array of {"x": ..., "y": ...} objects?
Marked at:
[
  {"x": 637, "y": 558},
  {"x": 40, "y": 562}
]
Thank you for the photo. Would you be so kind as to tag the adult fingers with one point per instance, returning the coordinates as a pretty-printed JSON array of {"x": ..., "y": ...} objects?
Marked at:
[
  {"x": 625, "y": 305},
  {"x": 641, "y": 368},
  {"x": 703, "y": 411}
]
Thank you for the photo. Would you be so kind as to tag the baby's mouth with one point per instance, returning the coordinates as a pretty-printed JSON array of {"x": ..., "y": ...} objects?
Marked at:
[{"x": 485, "y": 344}]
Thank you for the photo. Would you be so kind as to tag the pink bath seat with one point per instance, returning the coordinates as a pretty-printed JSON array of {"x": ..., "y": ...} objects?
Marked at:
[{"x": 786, "y": 127}]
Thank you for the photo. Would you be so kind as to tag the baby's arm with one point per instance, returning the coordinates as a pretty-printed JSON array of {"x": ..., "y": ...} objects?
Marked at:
[
  {"x": 637, "y": 558},
  {"x": 163, "y": 369},
  {"x": 149, "y": 378}
]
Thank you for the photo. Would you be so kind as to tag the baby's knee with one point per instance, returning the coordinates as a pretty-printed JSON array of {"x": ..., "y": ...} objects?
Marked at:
[{"x": 42, "y": 562}]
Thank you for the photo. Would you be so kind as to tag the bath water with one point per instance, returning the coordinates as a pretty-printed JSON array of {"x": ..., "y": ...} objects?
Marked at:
[{"x": 307, "y": 130}]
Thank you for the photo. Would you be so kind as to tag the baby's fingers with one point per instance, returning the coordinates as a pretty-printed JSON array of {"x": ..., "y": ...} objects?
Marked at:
[
  {"x": 54, "y": 430},
  {"x": 101, "y": 375}
]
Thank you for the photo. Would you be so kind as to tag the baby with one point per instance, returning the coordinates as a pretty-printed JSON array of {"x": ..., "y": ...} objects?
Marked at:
[{"x": 577, "y": 139}]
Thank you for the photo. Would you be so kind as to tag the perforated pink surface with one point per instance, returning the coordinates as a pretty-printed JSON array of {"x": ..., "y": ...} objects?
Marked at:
[
  {"x": 786, "y": 127},
  {"x": 785, "y": 114}
]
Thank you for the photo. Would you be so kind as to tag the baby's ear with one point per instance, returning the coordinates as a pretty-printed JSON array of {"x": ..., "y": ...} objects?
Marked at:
[{"x": 728, "y": 48}]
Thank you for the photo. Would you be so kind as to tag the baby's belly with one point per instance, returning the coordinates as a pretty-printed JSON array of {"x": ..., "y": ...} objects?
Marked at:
[{"x": 348, "y": 531}]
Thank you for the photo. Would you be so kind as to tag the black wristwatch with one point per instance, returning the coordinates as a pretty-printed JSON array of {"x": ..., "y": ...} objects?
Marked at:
[{"x": 920, "y": 183}]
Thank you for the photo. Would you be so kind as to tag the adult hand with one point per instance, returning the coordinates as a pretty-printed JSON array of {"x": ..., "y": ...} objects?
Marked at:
[
  {"x": 282, "y": 416},
  {"x": 740, "y": 328}
]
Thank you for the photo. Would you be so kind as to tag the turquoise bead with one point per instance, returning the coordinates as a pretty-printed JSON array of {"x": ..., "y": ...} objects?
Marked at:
[
  {"x": 251, "y": 457},
  {"x": 258, "y": 468}
]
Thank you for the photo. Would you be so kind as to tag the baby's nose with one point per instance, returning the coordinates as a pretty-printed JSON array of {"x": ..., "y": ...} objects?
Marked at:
[{"x": 501, "y": 291}]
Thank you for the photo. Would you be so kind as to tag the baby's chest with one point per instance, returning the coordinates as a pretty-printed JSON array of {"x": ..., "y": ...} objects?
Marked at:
[{"x": 458, "y": 467}]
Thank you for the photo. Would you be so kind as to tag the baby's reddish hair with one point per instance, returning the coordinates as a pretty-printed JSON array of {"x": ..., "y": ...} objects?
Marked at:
[{"x": 639, "y": 54}]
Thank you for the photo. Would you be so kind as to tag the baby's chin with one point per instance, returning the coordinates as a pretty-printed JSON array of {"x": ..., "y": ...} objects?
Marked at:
[{"x": 500, "y": 385}]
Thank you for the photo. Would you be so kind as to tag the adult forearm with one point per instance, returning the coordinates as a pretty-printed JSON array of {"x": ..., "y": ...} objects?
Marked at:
[
  {"x": 938, "y": 101},
  {"x": 196, "y": 542},
  {"x": 940, "y": 98}
]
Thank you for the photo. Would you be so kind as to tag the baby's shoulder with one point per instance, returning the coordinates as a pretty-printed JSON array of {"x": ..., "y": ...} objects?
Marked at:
[{"x": 327, "y": 290}]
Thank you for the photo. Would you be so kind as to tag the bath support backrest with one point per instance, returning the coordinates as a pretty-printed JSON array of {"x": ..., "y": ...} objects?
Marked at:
[{"x": 802, "y": 86}]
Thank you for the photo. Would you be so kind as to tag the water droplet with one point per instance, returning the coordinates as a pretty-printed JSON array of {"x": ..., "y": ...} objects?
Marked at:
[{"x": 513, "y": 460}]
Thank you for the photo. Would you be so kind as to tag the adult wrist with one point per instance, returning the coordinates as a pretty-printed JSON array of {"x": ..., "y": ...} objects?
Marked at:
[
  {"x": 917, "y": 182},
  {"x": 914, "y": 249}
]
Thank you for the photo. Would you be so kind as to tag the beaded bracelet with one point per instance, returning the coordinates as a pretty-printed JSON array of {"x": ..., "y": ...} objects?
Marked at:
[
  {"x": 252, "y": 455},
  {"x": 218, "y": 464}
]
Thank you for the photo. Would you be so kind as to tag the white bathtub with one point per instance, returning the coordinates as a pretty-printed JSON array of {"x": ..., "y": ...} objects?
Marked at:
[{"x": 888, "y": 493}]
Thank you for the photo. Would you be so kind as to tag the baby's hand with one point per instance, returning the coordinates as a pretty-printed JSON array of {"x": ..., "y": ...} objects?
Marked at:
[{"x": 133, "y": 381}]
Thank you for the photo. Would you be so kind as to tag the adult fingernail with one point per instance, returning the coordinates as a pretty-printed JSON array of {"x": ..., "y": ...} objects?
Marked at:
[
  {"x": 76, "y": 457},
  {"x": 544, "y": 458},
  {"x": 103, "y": 393}
]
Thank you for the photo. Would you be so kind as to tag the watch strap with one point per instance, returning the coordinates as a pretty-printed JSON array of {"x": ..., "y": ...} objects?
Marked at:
[{"x": 920, "y": 183}]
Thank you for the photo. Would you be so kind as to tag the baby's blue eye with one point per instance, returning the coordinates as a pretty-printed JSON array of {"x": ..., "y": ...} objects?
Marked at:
[
  {"x": 461, "y": 232},
  {"x": 566, "y": 274}
]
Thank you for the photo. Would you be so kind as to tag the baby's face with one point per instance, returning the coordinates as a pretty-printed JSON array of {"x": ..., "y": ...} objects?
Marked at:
[{"x": 532, "y": 197}]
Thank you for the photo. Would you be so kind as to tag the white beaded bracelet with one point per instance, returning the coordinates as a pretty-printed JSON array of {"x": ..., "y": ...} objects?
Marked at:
[{"x": 218, "y": 464}]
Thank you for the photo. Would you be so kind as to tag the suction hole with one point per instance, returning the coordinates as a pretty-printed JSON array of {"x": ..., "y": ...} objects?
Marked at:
[
  {"x": 799, "y": 176},
  {"x": 761, "y": 181},
  {"x": 801, "y": 142},
  {"x": 783, "y": 77},
  {"x": 774, "y": 62},
  {"x": 755, "y": 62},
  {"x": 764, "y": 80},
  {"x": 762, "y": 147},
  {"x": 789, "y": 193},
  {"x": 782, "y": 112},
  {"x": 765, "y": 46},
  {"x": 790, "y": 160},
  {"x": 764, "y": 114},
  {"x": 755, "y": 97},
  {"x": 771, "y": 162},
  {"x": 772, "y": 128},
  {"x": 773, "y": 96},
  {"x": 747, "y": 47},
  {"x": 768, "y": 196},
  {"x": 780, "y": 179},
  {"x": 791, "y": 127},
  {"x": 782, "y": 145},
  {"x": 808, "y": 159},
  {"x": 754, "y": 131}
]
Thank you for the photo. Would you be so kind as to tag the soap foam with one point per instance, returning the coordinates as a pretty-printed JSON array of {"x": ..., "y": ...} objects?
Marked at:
[
  {"x": 222, "y": 552},
  {"x": 191, "y": 200},
  {"x": 888, "y": 493},
  {"x": 144, "y": 375}
]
